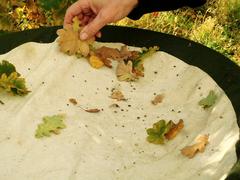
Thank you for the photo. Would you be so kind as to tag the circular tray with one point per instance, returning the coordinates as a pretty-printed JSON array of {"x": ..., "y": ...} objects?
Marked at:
[{"x": 221, "y": 69}]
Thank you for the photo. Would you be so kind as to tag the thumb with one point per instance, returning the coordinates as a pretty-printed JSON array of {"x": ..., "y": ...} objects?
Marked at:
[{"x": 94, "y": 27}]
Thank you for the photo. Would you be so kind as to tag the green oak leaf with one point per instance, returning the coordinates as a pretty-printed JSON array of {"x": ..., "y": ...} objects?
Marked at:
[
  {"x": 157, "y": 132},
  {"x": 209, "y": 101},
  {"x": 10, "y": 80},
  {"x": 6, "y": 68},
  {"x": 51, "y": 124},
  {"x": 146, "y": 52}
]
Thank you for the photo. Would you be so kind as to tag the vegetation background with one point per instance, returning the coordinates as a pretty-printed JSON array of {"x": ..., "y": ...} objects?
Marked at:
[{"x": 215, "y": 25}]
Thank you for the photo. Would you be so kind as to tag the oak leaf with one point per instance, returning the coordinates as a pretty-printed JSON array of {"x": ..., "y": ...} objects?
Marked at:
[
  {"x": 209, "y": 101},
  {"x": 124, "y": 71},
  {"x": 10, "y": 80},
  {"x": 118, "y": 95},
  {"x": 157, "y": 99},
  {"x": 73, "y": 101},
  {"x": 157, "y": 132},
  {"x": 6, "y": 68},
  {"x": 95, "y": 62},
  {"x": 201, "y": 142},
  {"x": 51, "y": 124},
  {"x": 174, "y": 130},
  {"x": 69, "y": 40}
]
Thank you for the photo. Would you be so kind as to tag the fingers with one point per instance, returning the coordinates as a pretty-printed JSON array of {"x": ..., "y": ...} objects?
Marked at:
[
  {"x": 94, "y": 26},
  {"x": 88, "y": 17},
  {"x": 73, "y": 10},
  {"x": 99, "y": 34}
]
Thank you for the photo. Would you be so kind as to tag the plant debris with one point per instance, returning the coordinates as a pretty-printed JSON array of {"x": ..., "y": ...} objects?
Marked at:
[
  {"x": 10, "y": 80},
  {"x": 157, "y": 132},
  {"x": 96, "y": 62},
  {"x": 70, "y": 42},
  {"x": 158, "y": 99},
  {"x": 209, "y": 101},
  {"x": 201, "y": 142},
  {"x": 174, "y": 130},
  {"x": 130, "y": 67},
  {"x": 106, "y": 54},
  {"x": 162, "y": 130},
  {"x": 124, "y": 71},
  {"x": 130, "y": 63},
  {"x": 1, "y": 102},
  {"x": 114, "y": 106},
  {"x": 92, "y": 110},
  {"x": 51, "y": 124},
  {"x": 73, "y": 101},
  {"x": 118, "y": 95}
]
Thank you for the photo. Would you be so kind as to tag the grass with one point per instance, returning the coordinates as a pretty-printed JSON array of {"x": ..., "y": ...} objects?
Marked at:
[{"x": 215, "y": 25}]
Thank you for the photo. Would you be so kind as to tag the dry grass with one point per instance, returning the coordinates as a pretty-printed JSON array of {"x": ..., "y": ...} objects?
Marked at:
[{"x": 216, "y": 25}]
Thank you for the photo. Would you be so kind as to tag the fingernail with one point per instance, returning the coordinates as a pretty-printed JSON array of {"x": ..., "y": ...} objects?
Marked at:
[
  {"x": 99, "y": 35},
  {"x": 83, "y": 36}
]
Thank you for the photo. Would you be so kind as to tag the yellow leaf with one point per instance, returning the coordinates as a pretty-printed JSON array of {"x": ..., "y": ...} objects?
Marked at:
[
  {"x": 68, "y": 40},
  {"x": 84, "y": 48},
  {"x": 95, "y": 62},
  {"x": 76, "y": 24}
]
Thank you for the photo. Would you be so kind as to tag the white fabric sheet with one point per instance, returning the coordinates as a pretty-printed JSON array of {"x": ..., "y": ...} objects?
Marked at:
[{"x": 110, "y": 145}]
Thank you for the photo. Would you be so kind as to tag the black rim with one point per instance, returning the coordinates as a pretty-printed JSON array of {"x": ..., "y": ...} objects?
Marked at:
[{"x": 221, "y": 69}]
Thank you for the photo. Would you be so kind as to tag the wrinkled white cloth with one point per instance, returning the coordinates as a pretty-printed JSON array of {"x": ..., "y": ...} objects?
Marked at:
[{"x": 111, "y": 144}]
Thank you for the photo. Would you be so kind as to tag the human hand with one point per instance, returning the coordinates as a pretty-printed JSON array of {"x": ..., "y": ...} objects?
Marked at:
[{"x": 95, "y": 14}]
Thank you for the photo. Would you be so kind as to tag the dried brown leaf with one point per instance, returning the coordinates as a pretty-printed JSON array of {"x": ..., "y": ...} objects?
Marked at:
[
  {"x": 125, "y": 54},
  {"x": 125, "y": 71},
  {"x": 201, "y": 142},
  {"x": 175, "y": 129},
  {"x": 69, "y": 40},
  {"x": 118, "y": 95},
  {"x": 107, "y": 62},
  {"x": 139, "y": 73},
  {"x": 108, "y": 53},
  {"x": 158, "y": 99},
  {"x": 73, "y": 101},
  {"x": 92, "y": 110}
]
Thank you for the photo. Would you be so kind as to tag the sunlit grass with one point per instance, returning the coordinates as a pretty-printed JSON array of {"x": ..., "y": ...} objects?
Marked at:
[{"x": 215, "y": 25}]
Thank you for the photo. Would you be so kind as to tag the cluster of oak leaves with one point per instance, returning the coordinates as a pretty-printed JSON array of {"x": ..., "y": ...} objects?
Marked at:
[
  {"x": 129, "y": 68},
  {"x": 130, "y": 63}
]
